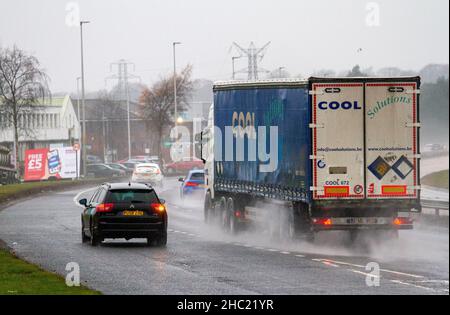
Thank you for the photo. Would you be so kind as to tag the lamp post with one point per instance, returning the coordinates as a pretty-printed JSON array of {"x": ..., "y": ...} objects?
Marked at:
[
  {"x": 175, "y": 82},
  {"x": 82, "y": 99},
  {"x": 80, "y": 138}
]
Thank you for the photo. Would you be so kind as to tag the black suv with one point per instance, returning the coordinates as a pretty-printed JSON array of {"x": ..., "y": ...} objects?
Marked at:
[{"x": 124, "y": 210}]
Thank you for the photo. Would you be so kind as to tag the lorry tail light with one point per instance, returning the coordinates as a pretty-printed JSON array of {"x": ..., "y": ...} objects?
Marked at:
[
  {"x": 158, "y": 207},
  {"x": 239, "y": 214},
  {"x": 104, "y": 207},
  {"x": 322, "y": 221},
  {"x": 402, "y": 221}
]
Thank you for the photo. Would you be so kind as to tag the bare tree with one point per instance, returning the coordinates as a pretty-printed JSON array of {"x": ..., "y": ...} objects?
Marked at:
[
  {"x": 279, "y": 73},
  {"x": 157, "y": 103},
  {"x": 23, "y": 84}
]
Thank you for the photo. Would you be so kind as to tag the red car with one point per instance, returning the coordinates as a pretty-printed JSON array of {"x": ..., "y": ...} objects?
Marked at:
[{"x": 184, "y": 166}]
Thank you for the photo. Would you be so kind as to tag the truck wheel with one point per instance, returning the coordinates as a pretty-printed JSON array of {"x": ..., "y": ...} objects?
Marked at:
[
  {"x": 354, "y": 235},
  {"x": 233, "y": 227},
  {"x": 224, "y": 215},
  {"x": 386, "y": 235},
  {"x": 207, "y": 208},
  {"x": 298, "y": 224}
]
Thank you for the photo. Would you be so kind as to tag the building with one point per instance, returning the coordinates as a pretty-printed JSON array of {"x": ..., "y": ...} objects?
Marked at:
[
  {"x": 107, "y": 129},
  {"x": 52, "y": 123}
]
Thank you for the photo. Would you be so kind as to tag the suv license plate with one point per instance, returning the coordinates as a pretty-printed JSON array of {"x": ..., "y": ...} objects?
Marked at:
[{"x": 133, "y": 213}]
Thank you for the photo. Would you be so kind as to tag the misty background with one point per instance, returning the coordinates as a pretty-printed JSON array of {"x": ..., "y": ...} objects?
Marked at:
[{"x": 325, "y": 37}]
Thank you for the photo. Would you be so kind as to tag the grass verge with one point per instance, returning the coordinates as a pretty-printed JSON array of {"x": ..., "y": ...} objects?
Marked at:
[
  {"x": 438, "y": 179},
  {"x": 18, "y": 277},
  {"x": 16, "y": 191}
]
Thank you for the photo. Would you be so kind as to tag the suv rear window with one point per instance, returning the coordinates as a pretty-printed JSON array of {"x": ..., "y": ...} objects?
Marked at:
[
  {"x": 132, "y": 195},
  {"x": 197, "y": 176}
]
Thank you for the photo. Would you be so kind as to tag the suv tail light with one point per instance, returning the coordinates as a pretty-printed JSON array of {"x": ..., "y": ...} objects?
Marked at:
[
  {"x": 104, "y": 207},
  {"x": 158, "y": 207},
  {"x": 191, "y": 184}
]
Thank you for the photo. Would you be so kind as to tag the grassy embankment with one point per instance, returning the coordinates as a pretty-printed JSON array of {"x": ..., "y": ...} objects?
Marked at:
[
  {"x": 20, "y": 277},
  {"x": 438, "y": 179}
]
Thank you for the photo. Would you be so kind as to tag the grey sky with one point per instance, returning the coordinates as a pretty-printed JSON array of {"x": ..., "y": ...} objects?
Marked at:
[{"x": 306, "y": 35}]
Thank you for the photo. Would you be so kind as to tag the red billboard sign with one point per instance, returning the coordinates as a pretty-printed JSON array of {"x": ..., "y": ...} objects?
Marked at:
[
  {"x": 35, "y": 164},
  {"x": 42, "y": 164}
]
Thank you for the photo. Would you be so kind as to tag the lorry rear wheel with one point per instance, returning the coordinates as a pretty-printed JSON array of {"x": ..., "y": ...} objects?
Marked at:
[
  {"x": 233, "y": 227},
  {"x": 207, "y": 208},
  {"x": 298, "y": 222},
  {"x": 224, "y": 215}
]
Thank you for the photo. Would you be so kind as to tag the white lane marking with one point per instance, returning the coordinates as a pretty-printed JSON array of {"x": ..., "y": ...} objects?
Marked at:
[
  {"x": 434, "y": 281},
  {"x": 300, "y": 256},
  {"x": 412, "y": 285},
  {"x": 384, "y": 270},
  {"x": 272, "y": 250},
  {"x": 285, "y": 253},
  {"x": 338, "y": 262},
  {"x": 402, "y": 274},
  {"x": 330, "y": 264},
  {"x": 75, "y": 199},
  {"x": 364, "y": 273},
  {"x": 325, "y": 262}
]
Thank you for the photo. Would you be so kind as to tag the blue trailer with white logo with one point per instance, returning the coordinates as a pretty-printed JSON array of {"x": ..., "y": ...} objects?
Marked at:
[{"x": 320, "y": 154}]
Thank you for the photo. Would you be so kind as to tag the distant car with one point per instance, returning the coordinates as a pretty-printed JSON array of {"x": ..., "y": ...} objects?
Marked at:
[
  {"x": 141, "y": 159},
  {"x": 148, "y": 173},
  {"x": 103, "y": 170},
  {"x": 124, "y": 210},
  {"x": 118, "y": 166},
  {"x": 130, "y": 165},
  {"x": 184, "y": 166},
  {"x": 434, "y": 147},
  {"x": 193, "y": 183},
  {"x": 93, "y": 159}
]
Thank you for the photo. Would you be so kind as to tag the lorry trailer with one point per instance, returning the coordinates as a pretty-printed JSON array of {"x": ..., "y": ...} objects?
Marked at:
[{"x": 319, "y": 154}]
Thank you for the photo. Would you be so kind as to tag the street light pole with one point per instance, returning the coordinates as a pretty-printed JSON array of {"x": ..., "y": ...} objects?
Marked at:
[
  {"x": 175, "y": 82},
  {"x": 82, "y": 99},
  {"x": 80, "y": 139},
  {"x": 127, "y": 94}
]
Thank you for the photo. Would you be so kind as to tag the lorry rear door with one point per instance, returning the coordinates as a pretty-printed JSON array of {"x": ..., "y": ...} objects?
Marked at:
[
  {"x": 391, "y": 123},
  {"x": 338, "y": 140}
]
